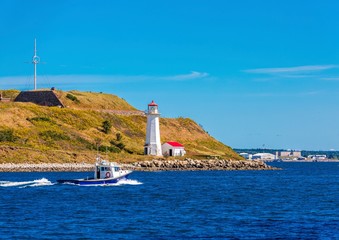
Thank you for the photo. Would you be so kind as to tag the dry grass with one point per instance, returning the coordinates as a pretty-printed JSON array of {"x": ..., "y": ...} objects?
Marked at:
[
  {"x": 95, "y": 101},
  {"x": 51, "y": 134}
]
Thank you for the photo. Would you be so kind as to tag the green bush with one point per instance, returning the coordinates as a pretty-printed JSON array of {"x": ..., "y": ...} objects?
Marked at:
[
  {"x": 7, "y": 136},
  {"x": 109, "y": 149},
  {"x": 39, "y": 119},
  {"x": 106, "y": 126},
  {"x": 53, "y": 135},
  {"x": 72, "y": 97},
  {"x": 119, "y": 136},
  {"x": 130, "y": 151},
  {"x": 120, "y": 145}
]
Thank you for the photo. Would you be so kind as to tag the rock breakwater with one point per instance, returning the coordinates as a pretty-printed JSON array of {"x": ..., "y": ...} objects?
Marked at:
[
  {"x": 153, "y": 165},
  {"x": 193, "y": 165}
]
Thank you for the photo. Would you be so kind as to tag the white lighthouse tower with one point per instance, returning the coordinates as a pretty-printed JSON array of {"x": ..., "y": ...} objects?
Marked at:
[{"x": 152, "y": 144}]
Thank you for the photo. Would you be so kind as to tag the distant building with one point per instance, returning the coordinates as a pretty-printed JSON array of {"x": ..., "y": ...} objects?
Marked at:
[
  {"x": 317, "y": 157},
  {"x": 288, "y": 154},
  {"x": 40, "y": 97},
  {"x": 173, "y": 149},
  {"x": 263, "y": 156},
  {"x": 246, "y": 155}
]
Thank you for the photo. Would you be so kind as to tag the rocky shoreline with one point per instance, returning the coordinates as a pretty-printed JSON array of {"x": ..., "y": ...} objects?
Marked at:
[
  {"x": 153, "y": 165},
  {"x": 202, "y": 165}
]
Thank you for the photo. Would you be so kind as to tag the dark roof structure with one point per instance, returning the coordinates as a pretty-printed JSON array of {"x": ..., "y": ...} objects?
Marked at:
[{"x": 40, "y": 97}]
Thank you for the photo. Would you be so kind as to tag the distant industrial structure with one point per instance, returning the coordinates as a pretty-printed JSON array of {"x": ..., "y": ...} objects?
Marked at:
[
  {"x": 258, "y": 156},
  {"x": 285, "y": 156},
  {"x": 288, "y": 154},
  {"x": 263, "y": 156},
  {"x": 317, "y": 157}
]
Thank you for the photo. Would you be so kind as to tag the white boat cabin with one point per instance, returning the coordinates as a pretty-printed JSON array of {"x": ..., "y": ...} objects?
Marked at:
[{"x": 104, "y": 169}]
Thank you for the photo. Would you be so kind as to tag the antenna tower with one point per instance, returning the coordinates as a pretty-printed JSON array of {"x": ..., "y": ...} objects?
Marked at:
[{"x": 35, "y": 61}]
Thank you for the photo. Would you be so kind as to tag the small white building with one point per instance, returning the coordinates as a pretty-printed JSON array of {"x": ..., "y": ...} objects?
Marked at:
[{"x": 173, "y": 149}]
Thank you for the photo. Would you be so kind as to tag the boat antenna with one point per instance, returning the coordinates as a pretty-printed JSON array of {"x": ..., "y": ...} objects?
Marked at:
[{"x": 35, "y": 61}]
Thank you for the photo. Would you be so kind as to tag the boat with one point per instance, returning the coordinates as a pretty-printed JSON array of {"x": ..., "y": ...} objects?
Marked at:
[{"x": 105, "y": 172}]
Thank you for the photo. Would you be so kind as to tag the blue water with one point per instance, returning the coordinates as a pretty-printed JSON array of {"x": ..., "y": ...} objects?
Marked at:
[{"x": 299, "y": 202}]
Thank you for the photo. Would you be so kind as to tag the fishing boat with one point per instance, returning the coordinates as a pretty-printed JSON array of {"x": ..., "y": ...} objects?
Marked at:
[{"x": 105, "y": 172}]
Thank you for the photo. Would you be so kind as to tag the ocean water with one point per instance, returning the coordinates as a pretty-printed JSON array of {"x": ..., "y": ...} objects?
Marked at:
[{"x": 299, "y": 202}]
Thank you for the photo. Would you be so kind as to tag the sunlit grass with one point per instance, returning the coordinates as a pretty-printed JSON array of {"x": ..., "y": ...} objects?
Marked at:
[{"x": 33, "y": 133}]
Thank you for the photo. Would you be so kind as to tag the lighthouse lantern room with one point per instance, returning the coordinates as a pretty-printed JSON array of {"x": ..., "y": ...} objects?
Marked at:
[{"x": 152, "y": 144}]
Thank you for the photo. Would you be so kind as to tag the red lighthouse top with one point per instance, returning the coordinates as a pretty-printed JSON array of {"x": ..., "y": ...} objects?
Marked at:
[{"x": 152, "y": 104}]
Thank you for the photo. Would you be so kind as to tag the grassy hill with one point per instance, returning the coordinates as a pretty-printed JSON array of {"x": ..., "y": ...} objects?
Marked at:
[{"x": 32, "y": 133}]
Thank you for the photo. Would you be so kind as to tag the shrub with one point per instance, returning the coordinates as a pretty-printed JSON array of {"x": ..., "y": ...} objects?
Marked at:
[
  {"x": 39, "y": 119},
  {"x": 129, "y": 151},
  {"x": 53, "y": 135},
  {"x": 7, "y": 136},
  {"x": 72, "y": 97},
  {"x": 119, "y": 136},
  {"x": 106, "y": 125},
  {"x": 120, "y": 145},
  {"x": 109, "y": 149}
]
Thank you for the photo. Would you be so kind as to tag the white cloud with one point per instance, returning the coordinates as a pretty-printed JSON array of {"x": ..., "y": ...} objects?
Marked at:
[
  {"x": 299, "y": 69},
  {"x": 330, "y": 78},
  {"x": 21, "y": 82},
  {"x": 190, "y": 76}
]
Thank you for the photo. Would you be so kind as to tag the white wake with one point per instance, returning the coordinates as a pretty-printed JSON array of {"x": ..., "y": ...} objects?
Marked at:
[
  {"x": 128, "y": 182},
  {"x": 35, "y": 183},
  {"x": 119, "y": 183}
]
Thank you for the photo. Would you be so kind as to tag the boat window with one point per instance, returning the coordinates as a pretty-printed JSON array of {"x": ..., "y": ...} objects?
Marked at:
[
  {"x": 108, "y": 169},
  {"x": 102, "y": 168},
  {"x": 116, "y": 169}
]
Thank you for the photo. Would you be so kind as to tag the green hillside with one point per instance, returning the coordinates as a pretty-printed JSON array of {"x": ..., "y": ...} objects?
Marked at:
[{"x": 90, "y": 122}]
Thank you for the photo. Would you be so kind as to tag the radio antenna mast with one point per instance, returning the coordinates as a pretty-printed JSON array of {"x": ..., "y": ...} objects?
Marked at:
[{"x": 35, "y": 61}]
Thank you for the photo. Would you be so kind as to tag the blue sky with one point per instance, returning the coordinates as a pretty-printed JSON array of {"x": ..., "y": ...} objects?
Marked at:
[{"x": 252, "y": 73}]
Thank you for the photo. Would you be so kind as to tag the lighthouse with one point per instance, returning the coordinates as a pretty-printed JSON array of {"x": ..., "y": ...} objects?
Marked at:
[{"x": 152, "y": 144}]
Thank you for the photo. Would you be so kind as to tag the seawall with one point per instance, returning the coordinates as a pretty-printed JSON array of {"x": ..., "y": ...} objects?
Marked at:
[
  {"x": 153, "y": 165},
  {"x": 195, "y": 165}
]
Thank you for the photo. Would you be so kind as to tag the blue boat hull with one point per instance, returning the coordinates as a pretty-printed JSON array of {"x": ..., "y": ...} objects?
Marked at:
[{"x": 92, "y": 181}]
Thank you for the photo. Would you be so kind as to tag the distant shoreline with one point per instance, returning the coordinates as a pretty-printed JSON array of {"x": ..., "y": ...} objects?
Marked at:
[{"x": 308, "y": 161}]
